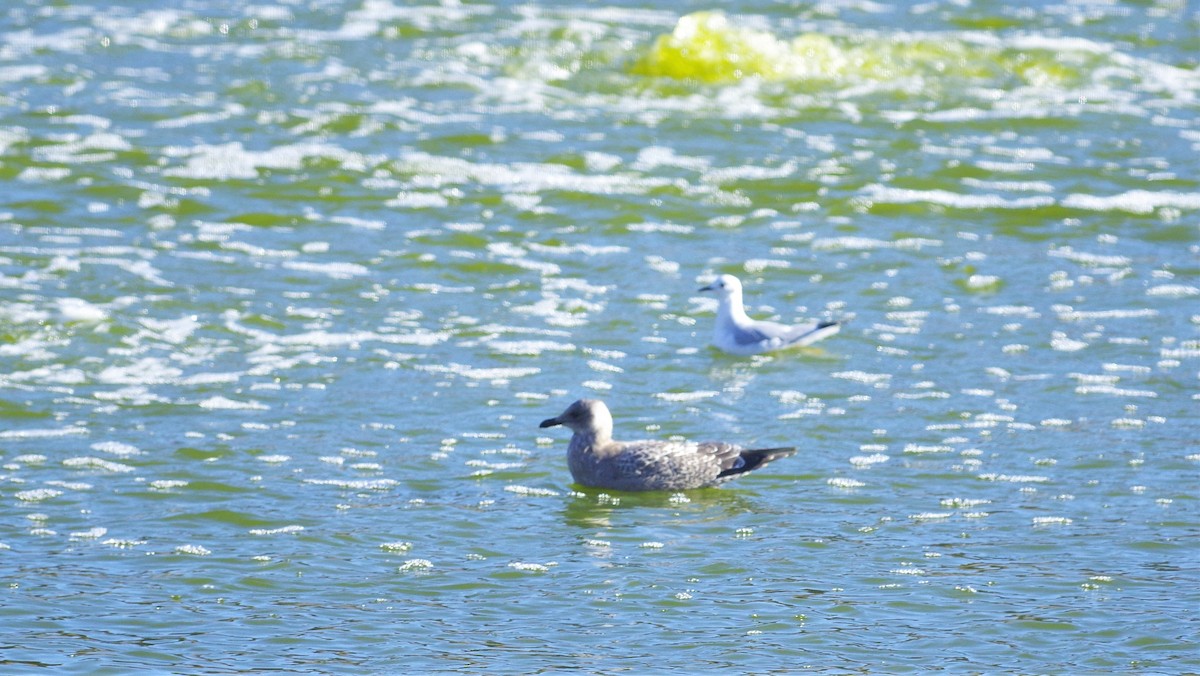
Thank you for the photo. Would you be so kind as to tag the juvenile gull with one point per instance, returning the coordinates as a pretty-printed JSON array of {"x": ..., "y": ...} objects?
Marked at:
[
  {"x": 596, "y": 460},
  {"x": 738, "y": 334}
]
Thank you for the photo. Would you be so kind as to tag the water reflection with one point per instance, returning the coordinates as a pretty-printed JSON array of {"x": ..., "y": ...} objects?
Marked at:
[{"x": 590, "y": 508}]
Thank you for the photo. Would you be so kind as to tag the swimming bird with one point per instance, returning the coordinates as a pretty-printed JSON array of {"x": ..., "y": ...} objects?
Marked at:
[
  {"x": 738, "y": 334},
  {"x": 596, "y": 460}
]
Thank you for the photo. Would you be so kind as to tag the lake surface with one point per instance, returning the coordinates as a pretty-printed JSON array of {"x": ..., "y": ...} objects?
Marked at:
[{"x": 285, "y": 289}]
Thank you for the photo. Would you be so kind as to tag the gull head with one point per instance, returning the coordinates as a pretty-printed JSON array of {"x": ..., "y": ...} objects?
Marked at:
[
  {"x": 588, "y": 416},
  {"x": 725, "y": 286}
]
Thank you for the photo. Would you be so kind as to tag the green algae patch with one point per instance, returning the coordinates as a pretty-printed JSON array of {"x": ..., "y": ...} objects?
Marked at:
[{"x": 707, "y": 47}]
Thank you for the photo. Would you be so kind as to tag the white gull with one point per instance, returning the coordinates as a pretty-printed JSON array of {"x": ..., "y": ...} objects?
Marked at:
[
  {"x": 596, "y": 460},
  {"x": 738, "y": 334}
]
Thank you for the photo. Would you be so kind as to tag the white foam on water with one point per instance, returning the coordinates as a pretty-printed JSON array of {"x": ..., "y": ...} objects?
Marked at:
[
  {"x": 79, "y": 310},
  {"x": 556, "y": 311},
  {"x": 210, "y": 379},
  {"x": 1014, "y": 478},
  {"x": 697, "y": 395},
  {"x": 320, "y": 338},
  {"x": 70, "y": 485},
  {"x": 1179, "y": 353},
  {"x": 878, "y": 380},
  {"x": 880, "y": 193},
  {"x": 603, "y": 367},
  {"x": 1061, "y": 342},
  {"x": 167, "y": 484},
  {"x": 580, "y": 248},
  {"x": 494, "y": 466},
  {"x": 964, "y": 503},
  {"x": 90, "y": 534},
  {"x": 89, "y": 462},
  {"x": 256, "y": 251},
  {"x": 29, "y": 459},
  {"x": 354, "y": 222},
  {"x": 231, "y": 161},
  {"x": 670, "y": 228},
  {"x": 336, "y": 270},
  {"x": 844, "y": 482},
  {"x": 1051, "y": 521},
  {"x": 410, "y": 199},
  {"x": 526, "y": 177},
  {"x": 228, "y": 111},
  {"x": 926, "y": 394},
  {"x": 1069, "y": 314},
  {"x": 1173, "y": 291},
  {"x": 1114, "y": 391},
  {"x": 138, "y": 268},
  {"x": 133, "y": 395},
  {"x": 356, "y": 484},
  {"x": 193, "y": 550},
  {"x": 10, "y": 74},
  {"x": 42, "y": 434},
  {"x": 981, "y": 282},
  {"x": 76, "y": 149},
  {"x": 533, "y": 492},
  {"x": 1133, "y": 201},
  {"x": 529, "y": 567},
  {"x": 173, "y": 331},
  {"x": 1010, "y": 186},
  {"x": 43, "y": 174},
  {"x": 529, "y": 348},
  {"x": 848, "y": 243},
  {"x": 276, "y": 531},
  {"x": 1012, "y": 311},
  {"x": 1089, "y": 259},
  {"x": 748, "y": 173},
  {"x": 37, "y": 494},
  {"x": 919, "y": 449},
  {"x": 498, "y": 374},
  {"x": 1110, "y": 367},
  {"x": 144, "y": 371},
  {"x": 869, "y": 460},
  {"x": 931, "y": 516},
  {"x": 651, "y": 158},
  {"x": 757, "y": 265},
  {"x": 226, "y": 404}
]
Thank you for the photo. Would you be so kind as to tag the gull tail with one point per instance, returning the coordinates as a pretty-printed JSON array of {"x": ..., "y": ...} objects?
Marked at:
[
  {"x": 813, "y": 333},
  {"x": 752, "y": 459}
]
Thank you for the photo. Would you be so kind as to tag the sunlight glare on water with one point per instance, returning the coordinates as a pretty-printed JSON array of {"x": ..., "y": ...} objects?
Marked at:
[{"x": 285, "y": 290}]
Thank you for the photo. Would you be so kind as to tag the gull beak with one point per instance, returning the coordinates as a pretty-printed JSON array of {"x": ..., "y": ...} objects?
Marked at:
[
  {"x": 550, "y": 422},
  {"x": 706, "y": 288}
]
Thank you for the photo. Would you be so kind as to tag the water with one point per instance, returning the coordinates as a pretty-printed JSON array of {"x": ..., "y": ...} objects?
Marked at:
[{"x": 286, "y": 289}]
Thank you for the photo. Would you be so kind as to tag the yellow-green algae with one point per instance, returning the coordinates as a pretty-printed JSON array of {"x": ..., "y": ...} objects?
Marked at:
[{"x": 707, "y": 47}]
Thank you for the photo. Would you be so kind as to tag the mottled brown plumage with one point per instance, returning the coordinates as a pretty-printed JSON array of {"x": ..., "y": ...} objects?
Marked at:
[{"x": 595, "y": 459}]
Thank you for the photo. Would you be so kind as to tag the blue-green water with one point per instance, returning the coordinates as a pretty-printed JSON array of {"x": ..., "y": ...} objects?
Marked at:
[{"x": 286, "y": 288}]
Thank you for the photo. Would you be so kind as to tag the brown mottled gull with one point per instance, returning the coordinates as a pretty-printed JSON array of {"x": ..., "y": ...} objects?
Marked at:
[
  {"x": 736, "y": 333},
  {"x": 595, "y": 459}
]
